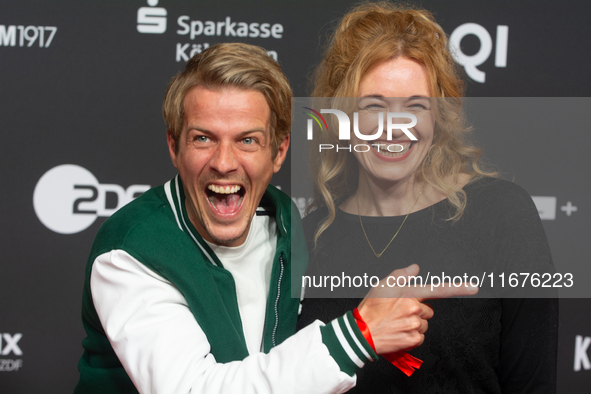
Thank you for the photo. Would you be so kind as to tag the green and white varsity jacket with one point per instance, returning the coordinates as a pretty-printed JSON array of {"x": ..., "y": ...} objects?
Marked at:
[{"x": 170, "y": 323}]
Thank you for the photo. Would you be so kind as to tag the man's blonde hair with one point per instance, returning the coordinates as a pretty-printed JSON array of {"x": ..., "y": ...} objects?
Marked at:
[{"x": 236, "y": 65}]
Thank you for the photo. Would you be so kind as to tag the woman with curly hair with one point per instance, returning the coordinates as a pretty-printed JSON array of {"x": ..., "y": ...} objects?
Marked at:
[{"x": 426, "y": 201}]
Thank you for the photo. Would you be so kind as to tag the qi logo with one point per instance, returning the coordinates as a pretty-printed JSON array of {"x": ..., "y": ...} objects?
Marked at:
[
  {"x": 152, "y": 19},
  {"x": 471, "y": 62},
  {"x": 68, "y": 198}
]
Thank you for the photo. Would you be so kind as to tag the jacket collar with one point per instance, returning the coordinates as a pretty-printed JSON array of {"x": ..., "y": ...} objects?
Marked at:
[{"x": 272, "y": 203}]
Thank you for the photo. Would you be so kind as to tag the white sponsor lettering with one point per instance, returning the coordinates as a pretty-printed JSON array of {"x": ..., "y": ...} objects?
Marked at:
[
  {"x": 10, "y": 365},
  {"x": 581, "y": 357},
  {"x": 152, "y": 19},
  {"x": 27, "y": 35},
  {"x": 569, "y": 208},
  {"x": 11, "y": 344},
  {"x": 183, "y": 53},
  {"x": 471, "y": 62},
  {"x": 546, "y": 206},
  {"x": 68, "y": 198},
  {"x": 227, "y": 28}
]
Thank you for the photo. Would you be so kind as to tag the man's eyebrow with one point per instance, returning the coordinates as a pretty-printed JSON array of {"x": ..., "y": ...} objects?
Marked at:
[
  {"x": 256, "y": 130},
  {"x": 250, "y": 131},
  {"x": 194, "y": 127}
]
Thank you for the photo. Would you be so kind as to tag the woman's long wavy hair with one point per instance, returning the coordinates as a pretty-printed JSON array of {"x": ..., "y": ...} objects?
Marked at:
[{"x": 369, "y": 35}]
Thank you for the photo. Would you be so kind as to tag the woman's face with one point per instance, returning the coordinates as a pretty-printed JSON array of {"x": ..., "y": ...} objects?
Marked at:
[{"x": 398, "y": 85}]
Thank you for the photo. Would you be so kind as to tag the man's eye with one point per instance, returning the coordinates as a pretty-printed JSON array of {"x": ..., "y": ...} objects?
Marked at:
[
  {"x": 201, "y": 138},
  {"x": 248, "y": 141}
]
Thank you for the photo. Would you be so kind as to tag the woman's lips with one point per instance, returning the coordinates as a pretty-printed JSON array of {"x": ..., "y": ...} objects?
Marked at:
[{"x": 391, "y": 151}]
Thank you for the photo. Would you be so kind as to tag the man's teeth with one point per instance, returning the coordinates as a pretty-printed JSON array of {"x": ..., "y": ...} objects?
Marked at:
[
  {"x": 224, "y": 190},
  {"x": 394, "y": 149}
]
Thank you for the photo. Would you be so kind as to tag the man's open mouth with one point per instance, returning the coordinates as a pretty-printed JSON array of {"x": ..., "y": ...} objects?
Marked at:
[{"x": 226, "y": 199}]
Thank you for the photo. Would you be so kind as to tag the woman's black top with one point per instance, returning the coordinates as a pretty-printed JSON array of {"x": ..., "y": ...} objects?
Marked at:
[{"x": 473, "y": 345}]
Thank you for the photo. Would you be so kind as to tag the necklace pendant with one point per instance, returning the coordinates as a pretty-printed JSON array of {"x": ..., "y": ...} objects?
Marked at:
[{"x": 402, "y": 224}]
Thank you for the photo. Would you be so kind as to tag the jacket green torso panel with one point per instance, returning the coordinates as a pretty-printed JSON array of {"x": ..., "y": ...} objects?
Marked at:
[{"x": 155, "y": 230}]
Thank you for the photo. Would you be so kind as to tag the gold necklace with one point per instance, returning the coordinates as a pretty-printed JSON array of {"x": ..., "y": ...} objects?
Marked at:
[{"x": 378, "y": 255}]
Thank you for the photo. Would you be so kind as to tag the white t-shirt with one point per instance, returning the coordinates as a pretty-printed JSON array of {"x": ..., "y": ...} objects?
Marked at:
[{"x": 250, "y": 264}]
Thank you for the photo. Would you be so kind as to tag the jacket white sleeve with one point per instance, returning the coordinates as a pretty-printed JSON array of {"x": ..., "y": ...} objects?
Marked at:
[{"x": 163, "y": 349}]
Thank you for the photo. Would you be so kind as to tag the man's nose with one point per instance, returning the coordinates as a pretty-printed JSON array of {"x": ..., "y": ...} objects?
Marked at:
[{"x": 224, "y": 160}]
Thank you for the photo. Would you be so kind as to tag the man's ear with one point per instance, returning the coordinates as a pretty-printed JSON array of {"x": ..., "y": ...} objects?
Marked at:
[
  {"x": 171, "y": 147},
  {"x": 280, "y": 158}
]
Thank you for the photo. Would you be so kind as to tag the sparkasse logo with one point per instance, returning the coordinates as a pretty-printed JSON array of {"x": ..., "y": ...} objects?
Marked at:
[
  {"x": 152, "y": 19},
  {"x": 202, "y": 32}
]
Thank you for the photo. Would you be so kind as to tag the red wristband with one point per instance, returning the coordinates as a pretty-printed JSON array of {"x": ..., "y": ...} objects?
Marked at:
[{"x": 401, "y": 360}]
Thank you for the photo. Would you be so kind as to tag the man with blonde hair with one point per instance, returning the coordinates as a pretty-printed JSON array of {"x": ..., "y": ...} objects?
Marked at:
[{"x": 188, "y": 288}]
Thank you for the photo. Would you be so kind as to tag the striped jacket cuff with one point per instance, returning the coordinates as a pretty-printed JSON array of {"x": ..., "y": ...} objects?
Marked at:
[{"x": 346, "y": 344}]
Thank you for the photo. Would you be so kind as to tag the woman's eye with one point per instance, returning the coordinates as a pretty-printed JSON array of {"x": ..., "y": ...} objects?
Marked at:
[
  {"x": 418, "y": 106},
  {"x": 374, "y": 107}
]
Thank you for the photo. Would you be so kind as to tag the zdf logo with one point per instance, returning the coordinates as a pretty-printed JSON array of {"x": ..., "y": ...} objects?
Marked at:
[
  {"x": 68, "y": 198},
  {"x": 152, "y": 19},
  {"x": 471, "y": 62}
]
